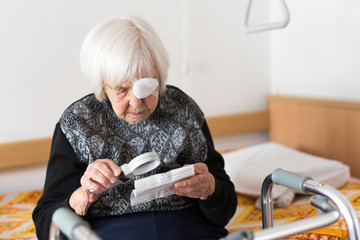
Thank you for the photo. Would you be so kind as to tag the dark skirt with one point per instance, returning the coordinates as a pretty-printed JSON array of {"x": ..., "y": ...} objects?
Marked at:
[{"x": 186, "y": 224}]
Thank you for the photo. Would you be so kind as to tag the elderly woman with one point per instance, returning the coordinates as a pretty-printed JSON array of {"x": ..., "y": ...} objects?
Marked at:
[{"x": 132, "y": 111}]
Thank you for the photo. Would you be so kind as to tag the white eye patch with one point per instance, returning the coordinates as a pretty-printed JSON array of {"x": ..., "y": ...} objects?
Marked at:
[{"x": 144, "y": 87}]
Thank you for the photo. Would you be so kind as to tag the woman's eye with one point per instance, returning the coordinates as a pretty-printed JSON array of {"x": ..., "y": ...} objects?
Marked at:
[{"x": 120, "y": 92}]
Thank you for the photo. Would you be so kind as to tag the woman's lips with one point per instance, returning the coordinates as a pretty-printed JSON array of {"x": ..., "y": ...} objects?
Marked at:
[{"x": 137, "y": 114}]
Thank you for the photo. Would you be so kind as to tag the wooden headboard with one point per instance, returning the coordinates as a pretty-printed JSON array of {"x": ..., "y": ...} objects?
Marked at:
[
  {"x": 24, "y": 153},
  {"x": 325, "y": 128}
]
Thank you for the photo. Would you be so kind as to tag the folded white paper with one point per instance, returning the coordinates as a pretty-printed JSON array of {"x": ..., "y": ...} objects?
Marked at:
[{"x": 157, "y": 186}]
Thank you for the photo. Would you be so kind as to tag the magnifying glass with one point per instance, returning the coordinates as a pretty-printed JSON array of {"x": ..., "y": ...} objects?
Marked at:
[{"x": 141, "y": 164}]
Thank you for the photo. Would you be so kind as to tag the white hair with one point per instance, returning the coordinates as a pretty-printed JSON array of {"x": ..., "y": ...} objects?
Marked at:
[{"x": 119, "y": 49}]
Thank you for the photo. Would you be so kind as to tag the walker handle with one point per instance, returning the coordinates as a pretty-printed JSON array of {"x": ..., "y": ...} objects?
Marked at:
[{"x": 289, "y": 179}]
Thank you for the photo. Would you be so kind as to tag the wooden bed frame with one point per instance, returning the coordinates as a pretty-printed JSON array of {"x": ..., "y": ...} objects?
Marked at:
[{"x": 325, "y": 128}]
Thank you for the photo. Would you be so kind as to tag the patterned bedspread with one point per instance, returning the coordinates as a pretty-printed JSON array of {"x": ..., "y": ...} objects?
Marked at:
[
  {"x": 15, "y": 215},
  {"x": 16, "y": 210}
]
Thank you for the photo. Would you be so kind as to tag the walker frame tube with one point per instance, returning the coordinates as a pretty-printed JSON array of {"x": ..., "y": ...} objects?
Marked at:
[
  {"x": 301, "y": 226},
  {"x": 266, "y": 203},
  {"x": 341, "y": 203},
  {"x": 71, "y": 225},
  {"x": 308, "y": 186}
]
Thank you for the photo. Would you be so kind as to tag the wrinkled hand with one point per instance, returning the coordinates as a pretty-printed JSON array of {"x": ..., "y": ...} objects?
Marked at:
[
  {"x": 201, "y": 185},
  {"x": 99, "y": 176}
]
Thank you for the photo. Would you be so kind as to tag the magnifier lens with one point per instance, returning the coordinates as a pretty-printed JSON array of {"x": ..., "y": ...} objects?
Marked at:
[
  {"x": 144, "y": 168},
  {"x": 141, "y": 164}
]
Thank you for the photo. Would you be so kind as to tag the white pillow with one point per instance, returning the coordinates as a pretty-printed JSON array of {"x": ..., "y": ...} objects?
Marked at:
[{"x": 249, "y": 167}]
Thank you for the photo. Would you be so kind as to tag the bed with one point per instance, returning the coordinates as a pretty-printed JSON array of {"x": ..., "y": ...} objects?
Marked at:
[{"x": 324, "y": 128}]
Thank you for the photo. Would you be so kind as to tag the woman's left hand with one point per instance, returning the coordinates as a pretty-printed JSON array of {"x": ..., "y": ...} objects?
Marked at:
[{"x": 201, "y": 185}]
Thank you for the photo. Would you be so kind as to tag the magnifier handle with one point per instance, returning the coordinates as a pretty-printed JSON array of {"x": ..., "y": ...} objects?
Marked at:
[
  {"x": 123, "y": 177},
  {"x": 125, "y": 173}
]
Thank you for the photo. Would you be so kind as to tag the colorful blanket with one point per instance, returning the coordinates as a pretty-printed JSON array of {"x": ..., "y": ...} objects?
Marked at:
[
  {"x": 16, "y": 210},
  {"x": 15, "y": 215}
]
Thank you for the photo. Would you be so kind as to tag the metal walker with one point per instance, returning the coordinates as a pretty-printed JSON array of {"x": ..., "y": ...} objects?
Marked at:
[{"x": 328, "y": 213}]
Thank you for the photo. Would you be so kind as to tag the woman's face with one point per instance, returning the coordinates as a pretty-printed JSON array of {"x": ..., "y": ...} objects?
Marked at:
[{"x": 127, "y": 106}]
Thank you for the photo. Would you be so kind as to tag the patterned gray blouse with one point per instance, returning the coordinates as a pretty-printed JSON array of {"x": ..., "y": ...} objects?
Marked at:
[{"x": 173, "y": 131}]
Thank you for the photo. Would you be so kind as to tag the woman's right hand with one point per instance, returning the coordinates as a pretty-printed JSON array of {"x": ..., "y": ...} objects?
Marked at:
[{"x": 99, "y": 176}]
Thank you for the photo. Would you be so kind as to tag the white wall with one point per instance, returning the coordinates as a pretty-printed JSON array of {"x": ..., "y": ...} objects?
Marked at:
[
  {"x": 318, "y": 54},
  {"x": 212, "y": 59},
  {"x": 40, "y": 43},
  {"x": 227, "y": 70}
]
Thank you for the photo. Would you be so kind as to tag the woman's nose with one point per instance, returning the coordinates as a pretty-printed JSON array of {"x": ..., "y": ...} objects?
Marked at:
[{"x": 134, "y": 101}]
